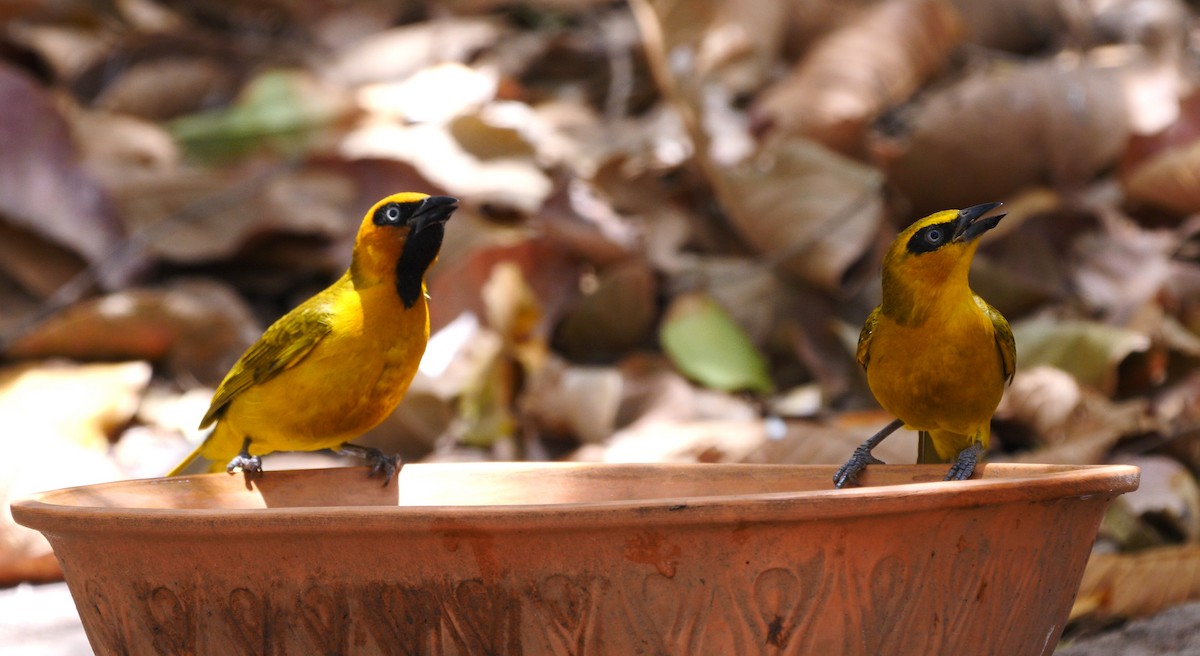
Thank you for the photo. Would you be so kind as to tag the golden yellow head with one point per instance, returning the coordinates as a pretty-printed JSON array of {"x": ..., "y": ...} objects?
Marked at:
[
  {"x": 400, "y": 236},
  {"x": 934, "y": 252}
]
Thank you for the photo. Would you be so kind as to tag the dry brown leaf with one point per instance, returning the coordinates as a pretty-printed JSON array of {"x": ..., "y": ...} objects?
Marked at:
[
  {"x": 663, "y": 418},
  {"x": 566, "y": 400},
  {"x": 196, "y": 328},
  {"x": 1070, "y": 424},
  {"x": 1177, "y": 134},
  {"x": 400, "y": 52},
  {"x": 1169, "y": 180},
  {"x": 24, "y": 553},
  {"x": 19, "y": 309},
  {"x": 507, "y": 176},
  {"x": 164, "y": 88},
  {"x": 38, "y": 266},
  {"x": 473, "y": 248},
  {"x": 1138, "y": 584},
  {"x": 481, "y": 6},
  {"x": 1168, "y": 498},
  {"x": 66, "y": 48},
  {"x": 1124, "y": 268},
  {"x": 152, "y": 202},
  {"x": 614, "y": 314},
  {"x": 1015, "y": 25},
  {"x": 42, "y": 187},
  {"x": 860, "y": 69},
  {"x": 654, "y": 392},
  {"x": 731, "y": 44},
  {"x": 196, "y": 215},
  {"x": 60, "y": 417},
  {"x": 587, "y": 227},
  {"x": 998, "y": 131},
  {"x": 810, "y": 211},
  {"x": 510, "y": 305},
  {"x": 1159, "y": 26},
  {"x": 114, "y": 147},
  {"x": 701, "y": 440},
  {"x": 103, "y": 397},
  {"x": 832, "y": 442}
]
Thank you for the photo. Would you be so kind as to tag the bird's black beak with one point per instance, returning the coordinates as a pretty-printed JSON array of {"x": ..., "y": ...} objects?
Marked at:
[
  {"x": 434, "y": 209},
  {"x": 968, "y": 226}
]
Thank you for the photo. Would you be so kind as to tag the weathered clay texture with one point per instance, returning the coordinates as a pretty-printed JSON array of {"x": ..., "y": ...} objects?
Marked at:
[{"x": 580, "y": 559}]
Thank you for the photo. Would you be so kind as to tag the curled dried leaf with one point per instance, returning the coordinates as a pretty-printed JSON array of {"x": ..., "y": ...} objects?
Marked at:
[
  {"x": 568, "y": 400},
  {"x": 1138, "y": 584},
  {"x": 400, "y": 52},
  {"x": 1169, "y": 180},
  {"x": 613, "y": 317},
  {"x": 998, "y": 131},
  {"x": 809, "y": 210},
  {"x": 857, "y": 71},
  {"x": 1069, "y": 423},
  {"x": 196, "y": 328},
  {"x": 732, "y": 43},
  {"x": 1167, "y": 499},
  {"x": 1017, "y": 25}
]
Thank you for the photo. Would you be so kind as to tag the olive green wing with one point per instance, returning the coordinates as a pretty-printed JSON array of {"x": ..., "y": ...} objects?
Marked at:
[
  {"x": 863, "y": 355},
  {"x": 1005, "y": 344},
  {"x": 283, "y": 345}
]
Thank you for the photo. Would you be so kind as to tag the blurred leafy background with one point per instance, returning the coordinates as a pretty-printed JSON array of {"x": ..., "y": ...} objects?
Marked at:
[{"x": 672, "y": 218}]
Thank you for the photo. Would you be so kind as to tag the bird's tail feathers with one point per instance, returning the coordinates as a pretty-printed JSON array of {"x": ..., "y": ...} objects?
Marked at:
[
  {"x": 939, "y": 446},
  {"x": 191, "y": 457},
  {"x": 199, "y": 452}
]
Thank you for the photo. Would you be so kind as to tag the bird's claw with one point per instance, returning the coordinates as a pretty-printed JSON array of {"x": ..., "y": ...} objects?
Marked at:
[
  {"x": 379, "y": 462},
  {"x": 250, "y": 465},
  {"x": 385, "y": 465},
  {"x": 848, "y": 473},
  {"x": 964, "y": 464}
]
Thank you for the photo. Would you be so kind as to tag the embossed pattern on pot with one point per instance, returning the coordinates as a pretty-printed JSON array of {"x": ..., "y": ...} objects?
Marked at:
[{"x": 769, "y": 573}]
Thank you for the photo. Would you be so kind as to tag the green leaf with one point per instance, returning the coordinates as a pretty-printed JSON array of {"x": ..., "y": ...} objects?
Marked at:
[
  {"x": 279, "y": 109},
  {"x": 708, "y": 346}
]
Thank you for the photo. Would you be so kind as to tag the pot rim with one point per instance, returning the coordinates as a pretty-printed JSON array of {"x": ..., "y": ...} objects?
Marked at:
[{"x": 1000, "y": 483}]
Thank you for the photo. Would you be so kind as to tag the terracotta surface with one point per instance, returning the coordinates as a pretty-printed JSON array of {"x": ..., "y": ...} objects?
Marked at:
[{"x": 580, "y": 559}]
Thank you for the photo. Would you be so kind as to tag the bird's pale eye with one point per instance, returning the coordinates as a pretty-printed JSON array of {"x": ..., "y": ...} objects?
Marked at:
[
  {"x": 392, "y": 213},
  {"x": 934, "y": 236}
]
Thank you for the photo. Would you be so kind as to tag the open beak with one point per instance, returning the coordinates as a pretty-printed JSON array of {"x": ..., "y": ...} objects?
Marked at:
[
  {"x": 434, "y": 209},
  {"x": 968, "y": 226}
]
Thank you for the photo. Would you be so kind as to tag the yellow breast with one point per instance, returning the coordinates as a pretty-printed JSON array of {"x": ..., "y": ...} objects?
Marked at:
[
  {"x": 353, "y": 378},
  {"x": 943, "y": 373}
]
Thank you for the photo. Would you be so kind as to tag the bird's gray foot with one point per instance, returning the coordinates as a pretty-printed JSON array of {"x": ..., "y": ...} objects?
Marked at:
[
  {"x": 964, "y": 465},
  {"x": 380, "y": 463},
  {"x": 250, "y": 465}
]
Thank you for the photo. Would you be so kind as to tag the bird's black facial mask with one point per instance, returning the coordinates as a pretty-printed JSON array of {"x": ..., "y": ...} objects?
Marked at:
[
  {"x": 931, "y": 237},
  {"x": 426, "y": 221},
  {"x": 395, "y": 214},
  {"x": 963, "y": 228}
]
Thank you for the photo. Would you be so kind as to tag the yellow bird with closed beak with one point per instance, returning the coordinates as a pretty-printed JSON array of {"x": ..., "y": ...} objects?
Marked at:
[{"x": 339, "y": 363}]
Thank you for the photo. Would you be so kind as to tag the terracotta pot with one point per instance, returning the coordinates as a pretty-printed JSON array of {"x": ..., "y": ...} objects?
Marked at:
[{"x": 523, "y": 558}]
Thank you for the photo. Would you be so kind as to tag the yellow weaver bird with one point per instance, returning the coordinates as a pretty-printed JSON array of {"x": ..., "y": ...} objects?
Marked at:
[
  {"x": 339, "y": 363},
  {"x": 937, "y": 356}
]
